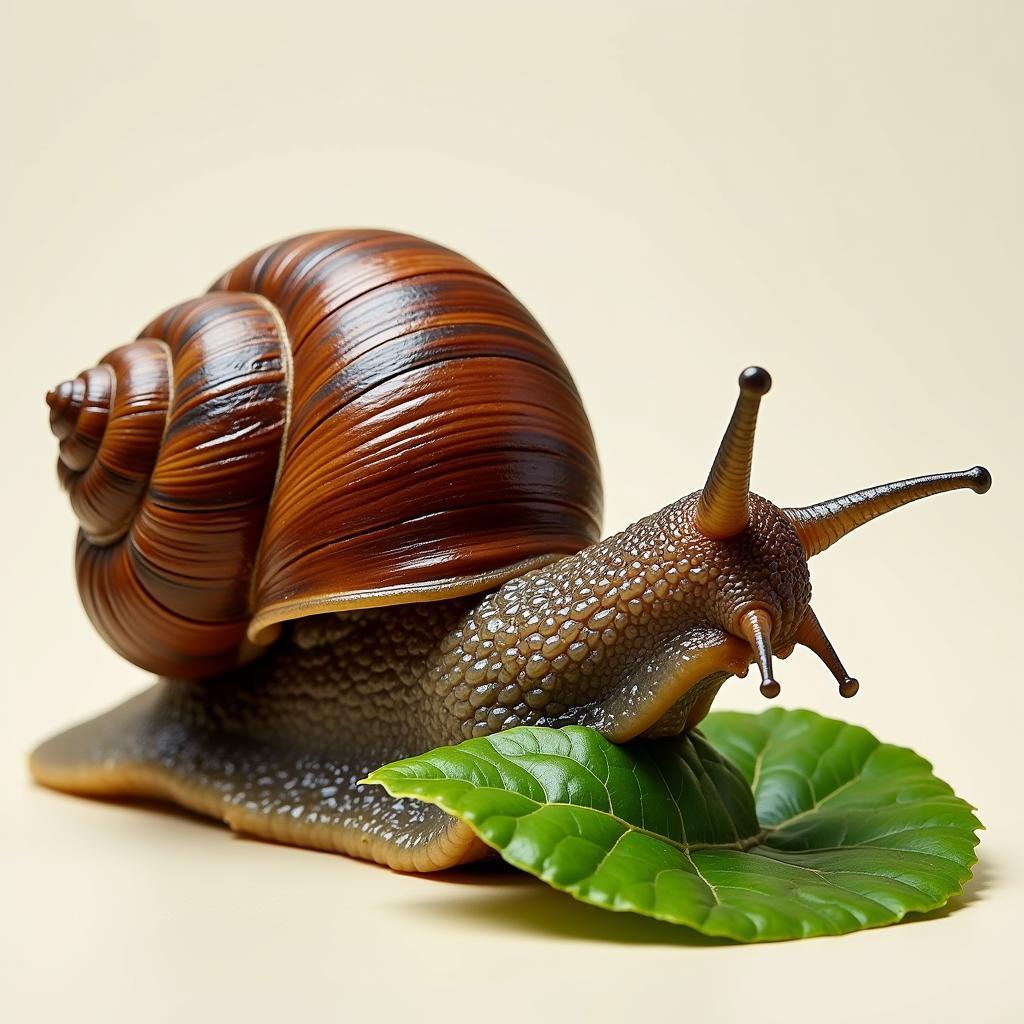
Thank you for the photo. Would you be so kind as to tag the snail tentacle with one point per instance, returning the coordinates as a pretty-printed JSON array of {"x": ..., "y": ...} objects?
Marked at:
[
  {"x": 756, "y": 627},
  {"x": 819, "y": 526},
  {"x": 723, "y": 509},
  {"x": 810, "y": 634}
]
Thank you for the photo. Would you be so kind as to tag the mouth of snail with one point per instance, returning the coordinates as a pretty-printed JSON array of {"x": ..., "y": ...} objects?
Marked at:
[{"x": 669, "y": 692}]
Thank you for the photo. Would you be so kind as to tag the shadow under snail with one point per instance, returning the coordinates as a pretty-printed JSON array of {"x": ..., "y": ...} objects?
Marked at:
[{"x": 347, "y": 505}]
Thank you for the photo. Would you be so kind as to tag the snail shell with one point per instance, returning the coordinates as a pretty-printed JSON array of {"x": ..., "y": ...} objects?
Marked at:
[{"x": 347, "y": 419}]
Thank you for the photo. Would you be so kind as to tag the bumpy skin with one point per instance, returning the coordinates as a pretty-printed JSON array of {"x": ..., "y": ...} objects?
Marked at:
[
  {"x": 632, "y": 635},
  {"x": 567, "y": 643}
]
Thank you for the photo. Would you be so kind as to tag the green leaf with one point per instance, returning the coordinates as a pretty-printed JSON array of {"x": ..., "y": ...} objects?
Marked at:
[{"x": 771, "y": 826}]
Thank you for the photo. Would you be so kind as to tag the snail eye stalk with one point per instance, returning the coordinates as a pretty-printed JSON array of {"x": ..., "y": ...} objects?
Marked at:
[
  {"x": 820, "y": 526},
  {"x": 723, "y": 508},
  {"x": 756, "y": 627},
  {"x": 809, "y": 634}
]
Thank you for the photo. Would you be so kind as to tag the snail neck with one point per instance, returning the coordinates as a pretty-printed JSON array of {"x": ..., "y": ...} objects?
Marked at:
[{"x": 626, "y": 636}]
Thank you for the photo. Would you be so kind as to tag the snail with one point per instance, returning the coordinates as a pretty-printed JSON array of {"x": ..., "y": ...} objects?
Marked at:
[{"x": 347, "y": 506}]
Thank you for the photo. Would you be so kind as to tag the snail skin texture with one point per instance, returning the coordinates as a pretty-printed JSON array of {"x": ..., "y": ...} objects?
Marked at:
[{"x": 347, "y": 506}]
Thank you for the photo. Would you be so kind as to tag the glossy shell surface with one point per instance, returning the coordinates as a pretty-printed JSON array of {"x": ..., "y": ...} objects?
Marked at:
[{"x": 347, "y": 419}]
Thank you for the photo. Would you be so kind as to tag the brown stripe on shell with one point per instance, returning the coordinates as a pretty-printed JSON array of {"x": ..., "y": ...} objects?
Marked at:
[
  {"x": 436, "y": 434},
  {"x": 172, "y": 595}
]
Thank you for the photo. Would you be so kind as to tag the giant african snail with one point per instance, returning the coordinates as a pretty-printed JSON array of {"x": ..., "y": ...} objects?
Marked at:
[{"x": 348, "y": 504}]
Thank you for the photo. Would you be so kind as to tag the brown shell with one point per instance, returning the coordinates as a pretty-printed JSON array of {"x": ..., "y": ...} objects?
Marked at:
[{"x": 433, "y": 444}]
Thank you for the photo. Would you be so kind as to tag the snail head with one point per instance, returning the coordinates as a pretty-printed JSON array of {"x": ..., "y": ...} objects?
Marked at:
[
  {"x": 635, "y": 634},
  {"x": 632, "y": 634},
  {"x": 757, "y": 553}
]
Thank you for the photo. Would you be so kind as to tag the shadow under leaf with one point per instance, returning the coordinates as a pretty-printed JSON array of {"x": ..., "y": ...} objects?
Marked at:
[
  {"x": 517, "y": 901},
  {"x": 984, "y": 878},
  {"x": 522, "y": 903},
  {"x": 526, "y": 905}
]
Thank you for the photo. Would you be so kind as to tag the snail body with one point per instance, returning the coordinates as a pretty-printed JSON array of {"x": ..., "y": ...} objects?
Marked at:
[{"x": 347, "y": 505}]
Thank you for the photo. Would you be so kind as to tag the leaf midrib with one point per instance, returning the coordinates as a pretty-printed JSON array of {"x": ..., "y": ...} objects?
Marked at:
[{"x": 743, "y": 844}]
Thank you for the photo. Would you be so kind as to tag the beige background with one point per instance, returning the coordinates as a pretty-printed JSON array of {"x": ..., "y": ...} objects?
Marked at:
[{"x": 830, "y": 189}]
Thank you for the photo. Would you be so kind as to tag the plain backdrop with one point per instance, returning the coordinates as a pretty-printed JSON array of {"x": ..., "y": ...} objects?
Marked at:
[{"x": 832, "y": 190}]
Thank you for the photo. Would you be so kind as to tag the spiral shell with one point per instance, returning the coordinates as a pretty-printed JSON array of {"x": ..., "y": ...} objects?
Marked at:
[{"x": 348, "y": 419}]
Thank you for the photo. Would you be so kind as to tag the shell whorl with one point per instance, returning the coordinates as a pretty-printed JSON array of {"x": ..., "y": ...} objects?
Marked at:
[
  {"x": 89, "y": 392},
  {"x": 169, "y": 453},
  {"x": 347, "y": 419},
  {"x": 110, "y": 420}
]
